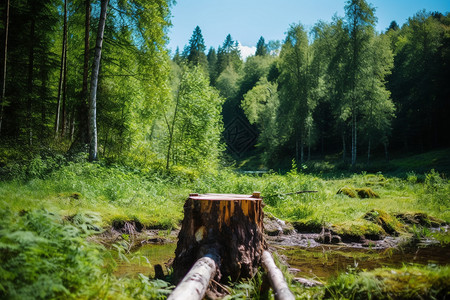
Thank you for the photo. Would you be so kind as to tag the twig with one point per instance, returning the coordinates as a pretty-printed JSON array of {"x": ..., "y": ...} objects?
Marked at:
[{"x": 293, "y": 193}]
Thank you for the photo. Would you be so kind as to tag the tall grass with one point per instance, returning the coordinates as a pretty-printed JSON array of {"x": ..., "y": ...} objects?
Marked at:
[{"x": 156, "y": 198}]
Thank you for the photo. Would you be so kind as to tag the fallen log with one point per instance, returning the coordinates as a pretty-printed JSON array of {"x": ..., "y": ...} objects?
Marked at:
[
  {"x": 195, "y": 283},
  {"x": 280, "y": 288}
]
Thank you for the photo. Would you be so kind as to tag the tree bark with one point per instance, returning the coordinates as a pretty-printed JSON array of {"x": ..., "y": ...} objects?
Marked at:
[
  {"x": 93, "y": 149},
  {"x": 344, "y": 148},
  {"x": 195, "y": 283},
  {"x": 64, "y": 92},
  {"x": 83, "y": 110},
  {"x": 61, "y": 72},
  {"x": 230, "y": 224},
  {"x": 30, "y": 82},
  {"x": 4, "y": 65},
  {"x": 171, "y": 128},
  {"x": 276, "y": 278}
]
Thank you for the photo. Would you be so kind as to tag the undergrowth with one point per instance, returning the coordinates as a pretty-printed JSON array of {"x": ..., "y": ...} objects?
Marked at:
[
  {"x": 48, "y": 207},
  {"x": 408, "y": 282}
]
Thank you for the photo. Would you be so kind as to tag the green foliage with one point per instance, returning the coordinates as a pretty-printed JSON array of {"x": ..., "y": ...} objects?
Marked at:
[
  {"x": 436, "y": 190},
  {"x": 195, "y": 124},
  {"x": 42, "y": 258},
  {"x": 409, "y": 282}
]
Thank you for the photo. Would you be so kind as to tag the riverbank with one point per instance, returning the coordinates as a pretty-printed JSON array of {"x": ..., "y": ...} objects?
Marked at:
[{"x": 81, "y": 201}]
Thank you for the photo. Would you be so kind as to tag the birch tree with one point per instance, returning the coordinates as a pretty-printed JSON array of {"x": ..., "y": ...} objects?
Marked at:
[{"x": 93, "y": 150}]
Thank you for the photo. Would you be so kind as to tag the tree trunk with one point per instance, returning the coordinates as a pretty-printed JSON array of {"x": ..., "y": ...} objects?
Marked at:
[
  {"x": 30, "y": 83},
  {"x": 302, "y": 154},
  {"x": 171, "y": 127},
  {"x": 83, "y": 111},
  {"x": 61, "y": 72},
  {"x": 354, "y": 139},
  {"x": 4, "y": 65},
  {"x": 93, "y": 155},
  {"x": 231, "y": 225},
  {"x": 64, "y": 92},
  {"x": 386, "y": 153},
  {"x": 276, "y": 279},
  {"x": 195, "y": 283},
  {"x": 344, "y": 150},
  {"x": 309, "y": 144},
  {"x": 368, "y": 152}
]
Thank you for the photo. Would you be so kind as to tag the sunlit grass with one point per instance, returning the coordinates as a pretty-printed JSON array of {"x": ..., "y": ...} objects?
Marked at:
[{"x": 156, "y": 199}]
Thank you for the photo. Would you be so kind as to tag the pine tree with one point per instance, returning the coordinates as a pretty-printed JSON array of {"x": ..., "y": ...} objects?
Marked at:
[
  {"x": 261, "y": 47},
  {"x": 196, "y": 49}
]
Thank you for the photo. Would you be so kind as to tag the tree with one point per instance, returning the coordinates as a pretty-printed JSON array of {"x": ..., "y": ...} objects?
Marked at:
[
  {"x": 360, "y": 21},
  {"x": 261, "y": 47},
  {"x": 393, "y": 26},
  {"x": 3, "y": 100},
  {"x": 417, "y": 81},
  {"x": 62, "y": 73},
  {"x": 93, "y": 148},
  {"x": 378, "y": 108},
  {"x": 212, "y": 65},
  {"x": 196, "y": 49},
  {"x": 83, "y": 105},
  {"x": 194, "y": 123},
  {"x": 295, "y": 102},
  {"x": 228, "y": 55},
  {"x": 261, "y": 105}
]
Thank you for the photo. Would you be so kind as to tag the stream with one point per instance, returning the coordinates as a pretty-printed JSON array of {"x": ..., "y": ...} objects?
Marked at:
[{"x": 321, "y": 262}]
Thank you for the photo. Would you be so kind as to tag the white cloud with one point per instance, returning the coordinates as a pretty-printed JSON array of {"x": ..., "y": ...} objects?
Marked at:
[{"x": 246, "y": 51}]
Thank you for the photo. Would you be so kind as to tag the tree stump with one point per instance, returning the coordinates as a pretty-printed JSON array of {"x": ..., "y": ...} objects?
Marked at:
[{"x": 227, "y": 224}]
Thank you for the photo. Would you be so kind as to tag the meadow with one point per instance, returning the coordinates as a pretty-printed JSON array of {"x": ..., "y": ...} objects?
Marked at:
[{"x": 50, "y": 206}]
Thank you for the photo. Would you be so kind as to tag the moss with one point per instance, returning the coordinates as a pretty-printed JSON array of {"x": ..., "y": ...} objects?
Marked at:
[
  {"x": 366, "y": 193},
  {"x": 358, "y": 192},
  {"x": 389, "y": 223},
  {"x": 409, "y": 282},
  {"x": 309, "y": 226},
  {"x": 348, "y": 192},
  {"x": 375, "y": 179},
  {"x": 357, "y": 231},
  {"x": 420, "y": 219}
]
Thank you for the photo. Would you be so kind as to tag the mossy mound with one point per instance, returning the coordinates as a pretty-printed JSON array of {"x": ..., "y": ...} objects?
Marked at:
[
  {"x": 409, "y": 282},
  {"x": 348, "y": 192},
  {"x": 389, "y": 223},
  {"x": 309, "y": 226},
  {"x": 358, "y": 192},
  {"x": 375, "y": 179},
  {"x": 358, "y": 231},
  {"x": 419, "y": 218}
]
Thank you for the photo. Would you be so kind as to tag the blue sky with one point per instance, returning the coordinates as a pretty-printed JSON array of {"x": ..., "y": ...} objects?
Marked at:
[{"x": 247, "y": 20}]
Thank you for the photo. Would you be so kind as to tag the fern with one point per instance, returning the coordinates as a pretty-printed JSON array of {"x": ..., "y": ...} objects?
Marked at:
[{"x": 43, "y": 258}]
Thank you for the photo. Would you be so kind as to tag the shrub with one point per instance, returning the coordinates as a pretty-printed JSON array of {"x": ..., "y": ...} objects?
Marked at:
[{"x": 42, "y": 258}]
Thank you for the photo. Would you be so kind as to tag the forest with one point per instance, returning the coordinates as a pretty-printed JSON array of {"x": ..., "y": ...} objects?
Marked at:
[{"x": 102, "y": 127}]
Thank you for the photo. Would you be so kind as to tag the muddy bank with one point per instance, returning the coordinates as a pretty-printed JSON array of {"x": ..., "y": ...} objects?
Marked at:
[
  {"x": 386, "y": 231},
  {"x": 303, "y": 234}
]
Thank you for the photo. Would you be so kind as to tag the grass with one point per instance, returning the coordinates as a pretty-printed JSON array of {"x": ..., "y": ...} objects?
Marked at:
[
  {"x": 77, "y": 191},
  {"x": 156, "y": 199},
  {"x": 408, "y": 282}
]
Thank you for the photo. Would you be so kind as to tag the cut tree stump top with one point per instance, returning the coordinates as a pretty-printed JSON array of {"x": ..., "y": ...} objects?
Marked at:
[{"x": 225, "y": 197}]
